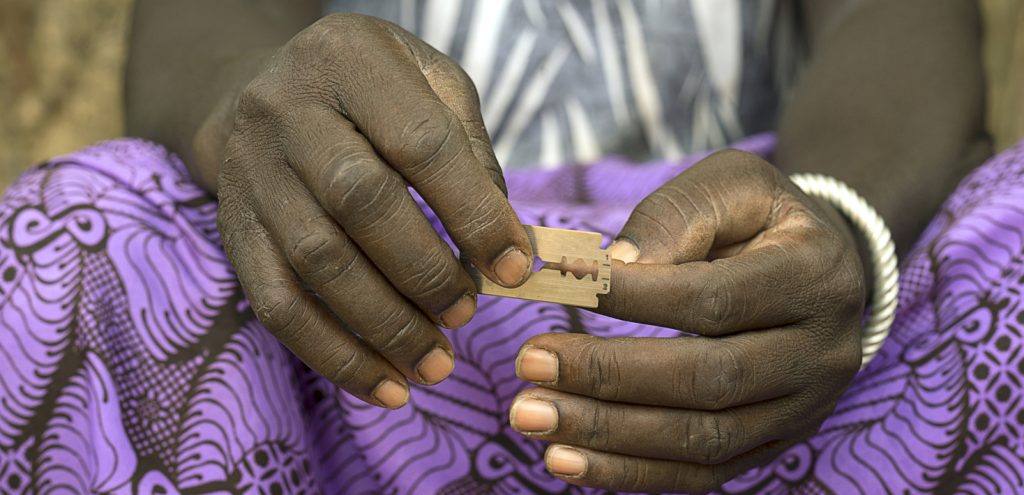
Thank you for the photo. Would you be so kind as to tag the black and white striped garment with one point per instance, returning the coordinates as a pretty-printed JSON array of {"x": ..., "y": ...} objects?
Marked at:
[{"x": 568, "y": 81}]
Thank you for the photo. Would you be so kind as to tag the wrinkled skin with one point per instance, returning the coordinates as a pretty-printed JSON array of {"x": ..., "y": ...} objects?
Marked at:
[
  {"x": 351, "y": 105},
  {"x": 317, "y": 220},
  {"x": 768, "y": 281}
]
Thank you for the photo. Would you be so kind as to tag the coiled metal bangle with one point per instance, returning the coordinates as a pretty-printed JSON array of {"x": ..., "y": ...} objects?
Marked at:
[{"x": 882, "y": 310}]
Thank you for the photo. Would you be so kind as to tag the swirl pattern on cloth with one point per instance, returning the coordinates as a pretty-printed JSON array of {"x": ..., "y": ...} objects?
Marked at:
[{"x": 131, "y": 363}]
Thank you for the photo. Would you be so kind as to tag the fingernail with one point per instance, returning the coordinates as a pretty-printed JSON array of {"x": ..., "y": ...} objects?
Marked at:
[
  {"x": 460, "y": 313},
  {"x": 565, "y": 461},
  {"x": 512, "y": 268},
  {"x": 533, "y": 416},
  {"x": 537, "y": 365},
  {"x": 391, "y": 394},
  {"x": 624, "y": 250},
  {"x": 435, "y": 366}
]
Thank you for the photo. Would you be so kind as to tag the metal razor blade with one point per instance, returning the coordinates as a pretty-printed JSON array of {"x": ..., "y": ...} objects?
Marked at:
[{"x": 574, "y": 272}]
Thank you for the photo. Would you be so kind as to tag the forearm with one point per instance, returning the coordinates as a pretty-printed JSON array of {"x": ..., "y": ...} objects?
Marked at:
[
  {"x": 187, "y": 55},
  {"x": 892, "y": 103}
]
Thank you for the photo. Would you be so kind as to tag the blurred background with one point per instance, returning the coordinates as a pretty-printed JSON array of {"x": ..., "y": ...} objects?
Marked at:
[
  {"x": 61, "y": 62},
  {"x": 60, "y": 77}
]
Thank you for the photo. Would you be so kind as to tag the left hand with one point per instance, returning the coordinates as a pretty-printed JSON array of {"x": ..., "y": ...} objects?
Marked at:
[{"x": 770, "y": 282}]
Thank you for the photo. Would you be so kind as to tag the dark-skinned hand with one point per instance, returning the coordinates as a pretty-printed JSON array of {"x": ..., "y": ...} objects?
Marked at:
[
  {"x": 769, "y": 283},
  {"x": 331, "y": 249}
]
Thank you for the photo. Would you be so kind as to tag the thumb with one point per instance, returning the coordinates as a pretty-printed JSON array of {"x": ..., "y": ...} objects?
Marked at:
[{"x": 724, "y": 199}]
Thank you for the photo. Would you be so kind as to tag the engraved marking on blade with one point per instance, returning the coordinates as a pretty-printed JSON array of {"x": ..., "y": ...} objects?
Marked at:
[
  {"x": 577, "y": 268},
  {"x": 575, "y": 271}
]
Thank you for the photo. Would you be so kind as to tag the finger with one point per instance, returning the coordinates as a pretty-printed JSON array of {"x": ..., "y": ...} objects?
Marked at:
[
  {"x": 725, "y": 198},
  {"x": 683, "y": 372},
  {"x": 794, "y": 272},
  {"x": 422, "y": 138},
  {"x": 301, "y": 322},
  {"x": 334, "y": 267},
  {"x": 657, "y": 432},
  {"x": 585, "y": 467},
  {"x": 371, "y": 203},
  {"x": 455, "y": 88}
]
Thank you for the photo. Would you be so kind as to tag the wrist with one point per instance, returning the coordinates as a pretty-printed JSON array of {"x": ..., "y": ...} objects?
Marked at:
[{"x": 883, "y": 262}]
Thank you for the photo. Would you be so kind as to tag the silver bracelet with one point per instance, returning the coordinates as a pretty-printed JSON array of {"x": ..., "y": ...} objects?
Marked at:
[{"x": 883, "y": 254}]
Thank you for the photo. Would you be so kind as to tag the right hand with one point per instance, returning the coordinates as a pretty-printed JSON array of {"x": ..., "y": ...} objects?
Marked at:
[{"x": 330, "y": 248}]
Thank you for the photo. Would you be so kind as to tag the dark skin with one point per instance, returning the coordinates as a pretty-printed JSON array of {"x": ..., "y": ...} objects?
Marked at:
[
  {"x": 772, "y": 354},
  {"x": 307, "y": 131}
]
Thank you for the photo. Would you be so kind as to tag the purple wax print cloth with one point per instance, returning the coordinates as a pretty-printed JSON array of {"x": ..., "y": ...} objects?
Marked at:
[{"x": 130, "y": 361}]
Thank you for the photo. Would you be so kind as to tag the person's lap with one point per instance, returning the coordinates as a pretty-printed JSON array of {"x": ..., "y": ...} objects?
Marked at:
[{"x": 130, "y": 358}]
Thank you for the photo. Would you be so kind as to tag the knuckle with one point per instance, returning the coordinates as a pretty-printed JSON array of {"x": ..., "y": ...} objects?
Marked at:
[
  {"x": 395, "y": 333},
  {"x": 718, "y": 440},
  {"x": 479, "y": 219},
  {"x": 342, "y": 365},
  {"x": 423, "y": 139},
  {"x": 355, "y": 184},
  {"x": 705, "y": 439},
  {"x": 279, "y": 308},
  {"x": 603, "y": 377},
  {"x": 682, "y": 380},
  {"x": 313, "y": 251},
  {"x": 711, "y": 307},
  {"x": 318, "y": 38},
  {"x": 600, "y": 422},
  {"x": 260, "y": 100},
  {"x": 322, "y": 259},
  {"x": 633, "y": 473},
  {"x": 432, "y": 280},
  {"x": 332, "y": 35},
  {"x": 716, "y": 377}
]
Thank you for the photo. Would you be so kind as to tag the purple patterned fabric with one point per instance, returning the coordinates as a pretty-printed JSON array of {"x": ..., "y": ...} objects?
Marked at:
[{"x": 131, "y": 363}]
